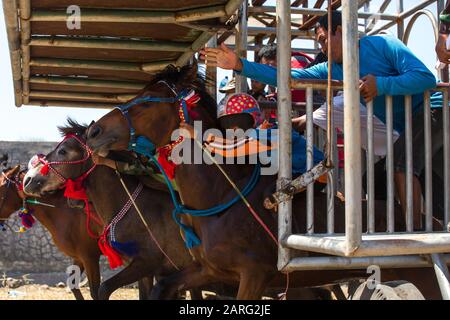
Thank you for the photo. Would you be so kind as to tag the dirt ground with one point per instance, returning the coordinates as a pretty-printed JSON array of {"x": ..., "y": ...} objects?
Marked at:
[{"x": 45, "y": 292}]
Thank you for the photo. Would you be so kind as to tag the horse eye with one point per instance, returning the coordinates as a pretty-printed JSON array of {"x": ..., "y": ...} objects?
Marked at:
[{"x": 62, "y": 152}]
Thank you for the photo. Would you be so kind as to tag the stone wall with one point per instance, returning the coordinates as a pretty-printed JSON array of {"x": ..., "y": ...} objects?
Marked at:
[{"x": 32, "y": 251}]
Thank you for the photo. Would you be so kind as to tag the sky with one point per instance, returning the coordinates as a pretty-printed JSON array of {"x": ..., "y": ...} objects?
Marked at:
[{"x": 33, "y": 123}]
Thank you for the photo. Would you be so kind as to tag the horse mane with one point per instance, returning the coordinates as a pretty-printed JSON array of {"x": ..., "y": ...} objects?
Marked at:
[
  {"x": 72, "y": 127},
  {"x": 182, "y": 77}
]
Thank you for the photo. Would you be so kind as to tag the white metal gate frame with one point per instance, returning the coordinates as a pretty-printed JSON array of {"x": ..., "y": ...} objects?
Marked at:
[{"x": 356, "y": 250}]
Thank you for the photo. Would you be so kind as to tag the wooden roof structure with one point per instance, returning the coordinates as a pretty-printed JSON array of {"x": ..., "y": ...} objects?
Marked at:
[
  {"x": 118, "y": 46},
  {"x": 121, "y": 43}
]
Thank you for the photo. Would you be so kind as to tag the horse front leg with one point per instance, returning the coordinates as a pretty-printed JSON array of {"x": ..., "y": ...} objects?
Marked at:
[
  {"x": 76, "y": 291},
  {"x": 92, "y": 269},
  {"x": 189, "y": 278},
  {"x": 145, "y": 286},
  {"x": 135, "y": 271},
  {"x": 252, "y": 284}
]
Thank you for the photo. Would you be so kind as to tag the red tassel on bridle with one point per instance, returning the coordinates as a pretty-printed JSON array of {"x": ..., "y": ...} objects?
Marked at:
[
  {"x": 191, "y": 102},
  {"x": 164, "y": 152},
  {"x": 45, "y": 169},
  {"x": 114, "y": 258}
]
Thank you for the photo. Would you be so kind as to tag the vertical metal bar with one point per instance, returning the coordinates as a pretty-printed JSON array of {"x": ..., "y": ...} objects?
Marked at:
[
  {"x": 390, "y": 164},
  {"x": 241, "y": 82},
  {"x": 352, "y": 126},
  {"x": 284, "y": 118},
  {"x": 370, "y": 170},
  {"x": 428, "y": 163},
  {"x": 332, "y": 186},
  {"x": 443, "y": 74},
  {"x": 446, "y": 158},
  {"x": 442, "y": 275},
  {"x": 211, "y": 72},
  {"x": 330, "y": 126},
  {"x": 309, "y": 159},
  {"x": 409, "y": 165},
  {"x": 366, "y": 10},
  {"x": 400, "y": 22}
]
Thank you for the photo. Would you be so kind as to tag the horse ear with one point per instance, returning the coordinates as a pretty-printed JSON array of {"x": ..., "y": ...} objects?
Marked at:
[
  {"x": 192, "y": 70},
  {"x": 14, "y": 171}
]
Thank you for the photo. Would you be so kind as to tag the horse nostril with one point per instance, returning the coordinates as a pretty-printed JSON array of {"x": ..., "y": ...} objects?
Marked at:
[{"x": 94, "y": 132}]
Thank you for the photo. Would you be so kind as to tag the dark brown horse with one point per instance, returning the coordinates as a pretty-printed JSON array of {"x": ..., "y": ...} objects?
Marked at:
[
  {"x": 108, "y": 197},
  {"x": 234, "y": 247},
  {"x": 67, "y": 227}
]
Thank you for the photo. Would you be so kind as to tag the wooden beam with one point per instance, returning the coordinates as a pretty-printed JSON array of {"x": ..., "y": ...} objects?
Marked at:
[
  {"x": 66, "y": 104},
  {"x": 80, "y": 97},
  {"x": 82, "y": 82},
  {"x": 67, "y": 42},
  {"x": 132, "y": 16}
]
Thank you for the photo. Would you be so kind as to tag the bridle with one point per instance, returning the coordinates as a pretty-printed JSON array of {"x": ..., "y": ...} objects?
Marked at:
[
  {"x": 143, "y": 145},
  {"x": 73, "y": 187},
  {"x": 9, "y": 183},
  {"x": 50, "y": 165}
]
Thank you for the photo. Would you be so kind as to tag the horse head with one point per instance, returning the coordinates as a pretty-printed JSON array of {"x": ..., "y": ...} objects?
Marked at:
[
  {"x": 155, "y": 113},
  {"x": 10, "y": 200},
  {"x": 69, "y": 161}
]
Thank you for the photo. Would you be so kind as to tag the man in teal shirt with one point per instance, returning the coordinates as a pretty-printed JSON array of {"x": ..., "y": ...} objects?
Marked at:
[{"x": 387, "y": 67}]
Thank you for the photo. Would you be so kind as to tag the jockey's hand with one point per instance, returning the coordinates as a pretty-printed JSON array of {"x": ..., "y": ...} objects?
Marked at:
[
  {"x": 368, "y": 88},
  {"x": 222, "y": 57},
  {"x": 441, "y": 49}
]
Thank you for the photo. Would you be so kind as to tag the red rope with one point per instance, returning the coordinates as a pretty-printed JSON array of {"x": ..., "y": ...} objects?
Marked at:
[{"x": 114, "y": 259}]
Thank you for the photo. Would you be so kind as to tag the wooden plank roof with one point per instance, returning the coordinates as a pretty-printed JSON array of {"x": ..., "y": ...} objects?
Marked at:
[{"x": 119, "y": 45}]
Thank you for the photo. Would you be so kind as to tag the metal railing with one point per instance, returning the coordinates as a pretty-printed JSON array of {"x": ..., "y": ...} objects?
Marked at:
[{"x": 355, "y": 249}]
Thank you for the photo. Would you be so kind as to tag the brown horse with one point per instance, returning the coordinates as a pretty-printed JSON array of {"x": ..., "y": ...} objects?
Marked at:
[
  {"x": 234, "y": 247},
  {"x": 108, "y": 197},
  {"x": 67, "y": 227}
]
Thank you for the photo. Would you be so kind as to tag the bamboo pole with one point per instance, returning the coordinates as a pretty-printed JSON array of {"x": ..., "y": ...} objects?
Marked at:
[
  {"x": 77, "y": 82},
  {"x": 133, "y": 16},
  {"x": 12, "y": 29},
  {"x": 82, "y": 97},
  {"x": 25, "y": 27},
  {"x": 156, "y": 66},
  {"x": 67, "y": 104},
  {"x": 200, "y": 14},
  {"x": 196, "y": 45},
  {"x": 66, "y": 42},
  {"x": 232, "y": 6},
  {"x": 85, "y": 64}
]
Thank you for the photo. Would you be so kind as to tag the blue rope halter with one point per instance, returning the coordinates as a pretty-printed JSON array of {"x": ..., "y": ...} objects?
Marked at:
[{"x": 142, "y": 145}]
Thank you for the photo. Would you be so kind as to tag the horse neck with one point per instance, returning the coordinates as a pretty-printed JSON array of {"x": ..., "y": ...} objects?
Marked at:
[
  {"x": 202, "y": 186},
  {"x": 105, "y": 191},
  {"x": 52, "y": 218}
]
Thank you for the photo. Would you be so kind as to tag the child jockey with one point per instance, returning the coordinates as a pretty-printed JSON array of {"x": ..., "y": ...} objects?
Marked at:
[{"x": 242, "y": 111}]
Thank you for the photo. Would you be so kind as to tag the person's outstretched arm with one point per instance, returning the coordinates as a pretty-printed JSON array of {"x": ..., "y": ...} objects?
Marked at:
[{"x": 225, "y": 58}]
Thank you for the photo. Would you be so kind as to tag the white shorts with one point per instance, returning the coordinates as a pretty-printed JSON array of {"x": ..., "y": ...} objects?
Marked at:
[{"x": 380, "y": 130}]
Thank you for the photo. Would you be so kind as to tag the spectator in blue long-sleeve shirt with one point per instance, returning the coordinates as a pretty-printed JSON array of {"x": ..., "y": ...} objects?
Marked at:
[{"x": 387, "y": 67}]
